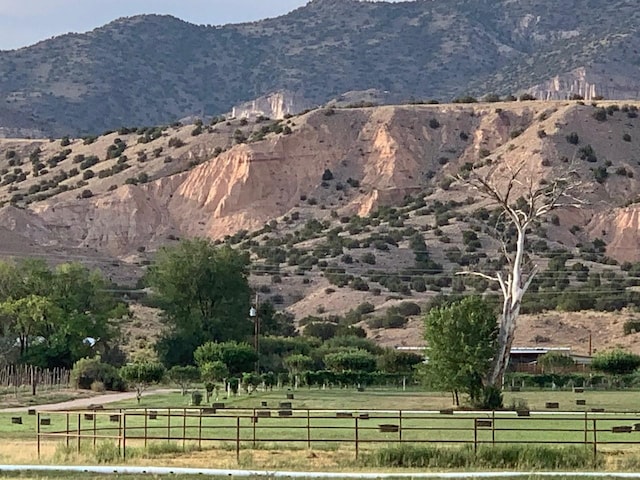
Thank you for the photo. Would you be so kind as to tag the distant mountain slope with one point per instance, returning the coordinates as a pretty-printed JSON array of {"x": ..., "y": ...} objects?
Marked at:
[
  {"x": 149, "y": 70},
  {"x": 132, "y": 190}
]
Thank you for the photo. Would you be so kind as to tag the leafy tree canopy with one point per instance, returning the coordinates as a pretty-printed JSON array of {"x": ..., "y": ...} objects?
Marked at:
[
  {"x": 204, "y": 293},
  {"x": 616, "y": 362},
  {"x": 462, "y": 340},
  {"x": 238, "y": 357},
  {"x": 52, "y": 312}
]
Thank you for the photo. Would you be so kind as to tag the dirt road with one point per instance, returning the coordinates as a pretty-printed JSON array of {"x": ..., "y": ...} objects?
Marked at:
[{"x": 85, "y": 402}]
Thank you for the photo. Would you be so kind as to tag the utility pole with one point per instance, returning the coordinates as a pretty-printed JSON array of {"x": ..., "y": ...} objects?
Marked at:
[{"x": 253, "y": 313}]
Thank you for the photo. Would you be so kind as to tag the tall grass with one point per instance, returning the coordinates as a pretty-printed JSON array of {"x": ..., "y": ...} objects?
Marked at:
[{"x": 507, "y": 456}]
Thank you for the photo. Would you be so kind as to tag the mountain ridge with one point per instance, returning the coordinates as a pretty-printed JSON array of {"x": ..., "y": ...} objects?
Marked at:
[{"x": 154, "y": 69}]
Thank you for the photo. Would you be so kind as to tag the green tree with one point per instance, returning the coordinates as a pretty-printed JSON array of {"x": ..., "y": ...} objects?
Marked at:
[
  {"x": 396, "y": 361},
  {"x": 238, "y": 357},
  {"x": 554, "y": 362},
  {"x": 462, "y": 340},
  {"x": 204, "y": 293},
  {"x": 62, "y": 308},
  {"x": 212, "y": 373},
  {"x": 141, "y": 375},
  {"x": 184, "y": 377},
  {"x": 29, "y": 317},
  {"x": 355, "y": 361},
  {"x": 298, "y": 363},
  {"x": 616, "y": 362}
]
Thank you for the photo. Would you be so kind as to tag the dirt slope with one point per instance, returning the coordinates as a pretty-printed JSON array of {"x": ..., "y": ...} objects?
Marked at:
[{"x": 389, "y": 151}]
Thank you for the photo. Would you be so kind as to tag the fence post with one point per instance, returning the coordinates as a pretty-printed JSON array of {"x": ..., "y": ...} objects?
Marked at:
[
  {"x": 94, "y": 430},
  {"x": 255, "y": 421},
  {"x": 146, "y": 427},
  {"x": 120, "y": 432},
  {"x": 238, "y": 439},
  {"x": 168, "y": 425},
  {"x": 475, "y": 435},
  {"x": 595, "y": 440},
  {"x": 184, "y": 428},
  {"x": 400, "y": 425},
  {"x": 79, "y": 432},
  {"x": 68, "y": 431},
  {"x": 124, "y": 436},
  {"x": 357, "y": 439},
  {"x": 200, "y": 431},
  {"x": 309, "y": 429},
  {"x": 38, "y": 431},
  {"x": 493, "y": 427},
  {"x": 586, "y": 428}
]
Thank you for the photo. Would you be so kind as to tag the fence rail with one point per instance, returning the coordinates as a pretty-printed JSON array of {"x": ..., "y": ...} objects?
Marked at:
[{"x": 287, "y": 426}]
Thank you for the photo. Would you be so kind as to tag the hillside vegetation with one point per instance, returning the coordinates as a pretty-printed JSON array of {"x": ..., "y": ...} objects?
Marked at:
[
  {"x": 347, "y": 214},
  {"x": 149, "y": 70}
]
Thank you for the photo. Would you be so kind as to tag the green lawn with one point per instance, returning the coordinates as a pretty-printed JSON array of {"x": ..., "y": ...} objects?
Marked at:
[
  {"x": 323, "y": 430},
  {"x": 627, "y": 401}
]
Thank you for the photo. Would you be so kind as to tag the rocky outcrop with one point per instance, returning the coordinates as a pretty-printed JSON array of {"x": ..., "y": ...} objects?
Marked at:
[
  {"x": 275, "y": 105},
  {"x": 606, "y": 81}
]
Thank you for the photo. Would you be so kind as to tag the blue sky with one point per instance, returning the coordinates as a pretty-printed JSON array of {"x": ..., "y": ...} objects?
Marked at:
[{"x": 25, "y": 22}]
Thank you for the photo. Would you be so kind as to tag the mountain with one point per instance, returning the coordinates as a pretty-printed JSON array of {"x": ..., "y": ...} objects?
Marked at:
[
  {"x": 150, "y": 69},
  {"x": 342, "y": 206},
  {"x": 130, "y": 191}
]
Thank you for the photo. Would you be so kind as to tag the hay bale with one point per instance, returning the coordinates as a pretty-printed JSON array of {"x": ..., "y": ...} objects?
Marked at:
[{"x": 388, "y": 428}]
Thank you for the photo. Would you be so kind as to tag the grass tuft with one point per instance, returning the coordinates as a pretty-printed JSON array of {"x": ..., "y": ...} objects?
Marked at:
[{"x": 510, "y": 457}]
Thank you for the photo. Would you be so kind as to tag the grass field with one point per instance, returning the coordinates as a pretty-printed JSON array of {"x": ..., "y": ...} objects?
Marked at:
[{"x": 282, "y": 442}]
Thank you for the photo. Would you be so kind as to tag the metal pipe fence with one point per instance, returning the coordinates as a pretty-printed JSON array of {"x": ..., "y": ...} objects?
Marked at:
[{"x": 240, "y": 428}]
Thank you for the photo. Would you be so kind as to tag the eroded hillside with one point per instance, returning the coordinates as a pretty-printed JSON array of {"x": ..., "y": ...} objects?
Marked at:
[
  {"x": 342, "y": 207},
  {"x": 126, "y": 190}
]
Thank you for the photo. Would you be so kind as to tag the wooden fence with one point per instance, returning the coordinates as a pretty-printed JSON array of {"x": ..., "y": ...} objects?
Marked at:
[
  {"x": 20, "y": 377},
  {"x": 282, "y": 426}
]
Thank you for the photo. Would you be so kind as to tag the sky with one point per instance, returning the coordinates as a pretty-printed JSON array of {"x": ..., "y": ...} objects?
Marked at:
[{"x": 25, "y": 22}]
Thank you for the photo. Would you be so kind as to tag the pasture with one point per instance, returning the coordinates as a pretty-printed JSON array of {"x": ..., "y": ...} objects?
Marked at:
[{"x": 325, "y": 429}]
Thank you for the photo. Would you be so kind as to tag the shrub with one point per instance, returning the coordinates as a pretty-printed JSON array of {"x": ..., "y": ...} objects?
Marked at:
[
  {"x": 176, "y": 142},
  {"x": 626, "y": 137},
  {"x": 616, "y": 362},
  {"x": 408, "y": 309},
  {"x": 86, "y": 371},
  {"x": 600, "y": 174},
  {"x": 365, "y": 308},
  {"x": 359, "y": 284},
  {"x": 368, "y": 258},
  {"x": 434, "y": 123},
  {"x": 631, "y": 326},
  {"x": 97, "y": 386},
  {"x": 600, "y": 115},
  {"x": 573, "y": 138},
  {"x": 327, "y": 175},
  {"x": 465, "y": 99}
]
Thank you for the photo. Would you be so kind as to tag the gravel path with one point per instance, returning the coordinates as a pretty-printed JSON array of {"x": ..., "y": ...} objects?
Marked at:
[{"x": 85, "y": 402}]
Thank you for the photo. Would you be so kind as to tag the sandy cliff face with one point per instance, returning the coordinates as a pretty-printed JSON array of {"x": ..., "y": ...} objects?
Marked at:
[
  {"x": 390, "y": 151},
  {"x": 620, "y": 229}
]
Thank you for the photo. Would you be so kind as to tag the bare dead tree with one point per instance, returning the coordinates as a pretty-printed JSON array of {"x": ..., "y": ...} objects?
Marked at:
[{"x": 534, "y": 202}]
